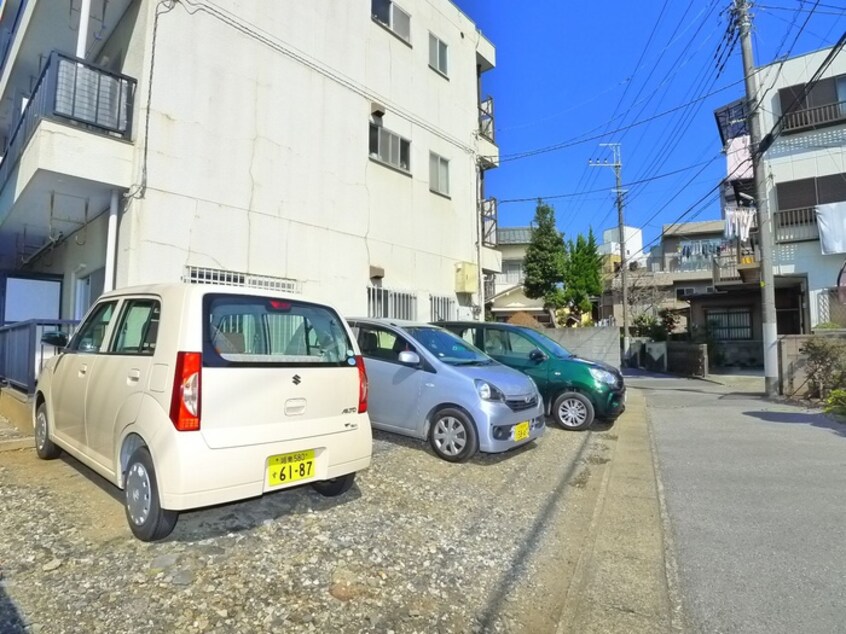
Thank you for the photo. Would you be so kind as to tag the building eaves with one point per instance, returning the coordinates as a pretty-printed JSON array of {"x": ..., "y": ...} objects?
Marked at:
[{"x": 693, "y": 228}]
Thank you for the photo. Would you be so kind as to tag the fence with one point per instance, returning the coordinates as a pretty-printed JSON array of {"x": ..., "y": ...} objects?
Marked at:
[
  {"x": 831, "y": 306},
  {"x": 22, "y": 354},
  {"x": 792, "y": 370}
]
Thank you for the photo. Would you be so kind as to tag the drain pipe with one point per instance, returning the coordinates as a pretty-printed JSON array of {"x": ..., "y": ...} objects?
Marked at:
[
  {"x": 82, "y": 35},
  {"x": 111, "y": 243}
]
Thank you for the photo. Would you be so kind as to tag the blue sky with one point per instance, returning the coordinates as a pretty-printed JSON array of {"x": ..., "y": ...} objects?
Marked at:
[{"x": 571, "y": 70}]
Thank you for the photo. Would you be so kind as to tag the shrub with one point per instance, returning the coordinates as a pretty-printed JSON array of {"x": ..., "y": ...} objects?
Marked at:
[
  {"x": 525, "y": 319},
  {"x": 836, "y": 402},
  {"x": 825, "y": 359},
  {"x": 828, "y": 325}
]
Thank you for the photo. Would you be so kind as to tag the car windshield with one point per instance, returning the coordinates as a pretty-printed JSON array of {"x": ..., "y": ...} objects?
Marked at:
[
  {"x": 550, "y": 344},
  {"x": 448, "y": 347}
]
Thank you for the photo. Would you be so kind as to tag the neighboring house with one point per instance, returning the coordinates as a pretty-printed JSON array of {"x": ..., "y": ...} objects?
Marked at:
[
  {"x": 508, "y": 297},
  {"x": 334, "y": 149},
  {"x": 610, "y": 247},
  {"x": 805, "y": 169},
  {"x": 676, "y": 269}
]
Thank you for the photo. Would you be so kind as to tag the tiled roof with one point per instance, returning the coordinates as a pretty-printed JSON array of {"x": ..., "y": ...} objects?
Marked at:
[{"x": 514, "y": 235}]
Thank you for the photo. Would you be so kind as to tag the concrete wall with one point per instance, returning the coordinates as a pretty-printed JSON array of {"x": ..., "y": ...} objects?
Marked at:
[
  {"x": 689, "y": 359},
  {"x": 793, "y": 376},
  {"x": 597, "y": 344}
]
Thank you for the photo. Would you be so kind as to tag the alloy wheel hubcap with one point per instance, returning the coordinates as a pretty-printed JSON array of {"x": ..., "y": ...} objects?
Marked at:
[
  {"x": 572, "y": 412},
  {"x": 450, "y": 436},
  {"x": 138, "y": 493}
]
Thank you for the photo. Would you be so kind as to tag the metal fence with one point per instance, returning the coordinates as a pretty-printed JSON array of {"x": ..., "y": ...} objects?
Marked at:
[
  {"x": 831, "y": 306},
  {"x": 69, "y": 89},
  {"x": 383, "y": 302},
  {"x": 22, "y": 355},
  {"x": 796, "y": 225},
  {"x": 813, "y": 117},
  {"x": 442, "y": 308}
]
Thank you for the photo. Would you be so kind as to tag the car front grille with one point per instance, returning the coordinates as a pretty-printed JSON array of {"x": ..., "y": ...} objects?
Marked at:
[{"x": 518, "y": 404}]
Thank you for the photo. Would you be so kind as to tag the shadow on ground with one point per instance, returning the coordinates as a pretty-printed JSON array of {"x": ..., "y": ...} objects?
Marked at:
[
  {"x": 800, "y": 418},
  {"x": 10, "y": 619}
]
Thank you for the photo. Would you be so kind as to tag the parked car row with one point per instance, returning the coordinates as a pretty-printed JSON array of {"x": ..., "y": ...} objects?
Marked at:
[{"x": 186, "y": 396}]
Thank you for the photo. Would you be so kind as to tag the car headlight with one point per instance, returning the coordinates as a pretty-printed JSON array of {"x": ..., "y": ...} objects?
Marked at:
[
  {"x": 603, "y": 376},
  {"x": 488, "y": 391}
]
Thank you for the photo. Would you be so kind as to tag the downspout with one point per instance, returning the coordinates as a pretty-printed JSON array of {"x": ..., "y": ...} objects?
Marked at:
[
  {"x": 111, "y": 243},
  {"x": 82, "y": 35}
]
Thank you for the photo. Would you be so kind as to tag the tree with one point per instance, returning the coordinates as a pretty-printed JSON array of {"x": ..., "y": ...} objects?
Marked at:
[
  {"x": 544, "y": 261},
  {"x": 582, "y": 275}
]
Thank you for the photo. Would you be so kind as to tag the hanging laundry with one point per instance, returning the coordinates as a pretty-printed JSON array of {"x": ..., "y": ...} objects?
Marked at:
[{"x": 730, "y": 226}]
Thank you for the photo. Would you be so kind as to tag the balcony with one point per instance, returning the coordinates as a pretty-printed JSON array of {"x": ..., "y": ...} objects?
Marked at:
[
  {"x": 488, "y": 150},
  {"x": 816, "y": 117},
  {"x": 795, "y": 225},
  {"x": 729, "y": 269},
  {"x": 488, "y": 210}
]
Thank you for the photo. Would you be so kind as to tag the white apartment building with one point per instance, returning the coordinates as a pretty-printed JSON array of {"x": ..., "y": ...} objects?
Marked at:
[
  {"x": 335, "y": 149},
  {"x": 805, "y": 168}
]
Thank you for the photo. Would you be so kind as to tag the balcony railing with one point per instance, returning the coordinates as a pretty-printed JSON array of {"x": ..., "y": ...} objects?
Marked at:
[
  {"x": 831, "y": 306},
  {"x": 486, "y": 119},
  {"x": 72, "y": 90},
  {"x": 22, "y": 355},
  {"x": 488, "y": 211},
  {"x": 810, "y": 118},
  {"x": 796, "y": 225},
  {"x": 729, "y": 268}
]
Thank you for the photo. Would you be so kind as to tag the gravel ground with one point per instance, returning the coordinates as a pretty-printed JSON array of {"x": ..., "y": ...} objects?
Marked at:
[{"x": 418, "y": 545}]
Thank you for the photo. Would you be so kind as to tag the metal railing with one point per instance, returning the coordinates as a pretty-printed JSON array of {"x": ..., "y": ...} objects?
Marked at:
[
  {"x": 796, "y": 225},
  {"x": 725, "y": 266},
  {"x": 809, "y": 118},
  {"x": 9, "y": 36},
  {"x": 489, "y": 214},
  {"x": 22, "y": 355},
  {"x": 442, "y": 308},
  {"x": 831, "y": 306},
  {"x": 486, "y": 119},
  {"x": 70, "y": 89},
  {"x": 391, "y": 304}
]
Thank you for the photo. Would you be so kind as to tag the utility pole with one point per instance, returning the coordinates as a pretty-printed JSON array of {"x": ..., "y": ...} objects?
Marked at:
[
  {"x": 765, "y": 235},
  {"x": 624, "y": 273}
]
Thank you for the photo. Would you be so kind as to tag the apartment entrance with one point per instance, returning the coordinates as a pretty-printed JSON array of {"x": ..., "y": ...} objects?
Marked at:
[{"x": 791, "y": 303}]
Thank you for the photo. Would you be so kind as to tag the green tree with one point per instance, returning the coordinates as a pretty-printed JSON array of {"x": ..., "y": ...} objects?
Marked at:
[
  {"x": 582, "y": 275},
  {"x": 544, "y": 261}
]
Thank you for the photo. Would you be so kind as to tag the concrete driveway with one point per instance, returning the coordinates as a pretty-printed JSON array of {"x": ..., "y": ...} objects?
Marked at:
[{"x": 756, "y": 497}]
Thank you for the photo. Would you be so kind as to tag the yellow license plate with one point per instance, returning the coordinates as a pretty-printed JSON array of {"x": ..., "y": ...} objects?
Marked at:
[
  {"x": 290, "y": 467},
  {"x": 521, "y": 431}
]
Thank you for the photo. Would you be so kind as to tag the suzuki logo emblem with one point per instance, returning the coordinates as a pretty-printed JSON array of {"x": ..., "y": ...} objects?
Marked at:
[{"x": 297, "y": 380}]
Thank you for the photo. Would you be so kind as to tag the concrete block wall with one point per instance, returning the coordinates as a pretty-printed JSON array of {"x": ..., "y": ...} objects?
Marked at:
[
  {"x": 792, "y": 370},
  {"x": 689, "y": 359},
  {"x": 597, "y": 344}
]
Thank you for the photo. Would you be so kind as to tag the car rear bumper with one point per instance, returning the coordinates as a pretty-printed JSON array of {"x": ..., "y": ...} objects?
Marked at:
[{"x": 191, "y": 475}]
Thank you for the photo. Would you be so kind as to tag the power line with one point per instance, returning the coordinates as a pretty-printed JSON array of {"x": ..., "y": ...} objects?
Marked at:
[{"x": 841, "y": 11}]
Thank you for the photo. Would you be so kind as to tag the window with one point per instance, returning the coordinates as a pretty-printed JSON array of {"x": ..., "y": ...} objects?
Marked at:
[
  {"x": 441, "y": 308},
  {"x": 730, "y": 324},
  {"x": 512, "y": 271},
  {"x": 389, "y": 14},
  {"x": 383, "y": 302},
  {"x": 379, "y": 343},
  {"x": 438, "y": 55},
  {"x": 438, "y": 174},
  {"x": 251, "y": 330},
  {"x": 138, "y": 327},
  {"x": 504, "y": 343},
  {"x": 810, "y": 192},
  {"x": 90, "y": 336},
  {"x": 390, "y": 148}
]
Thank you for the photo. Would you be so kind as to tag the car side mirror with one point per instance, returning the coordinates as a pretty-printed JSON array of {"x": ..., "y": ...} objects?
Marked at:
[
  {"x": 55, "y": 338},
  {"x": 409, "y": 358},
  {"x": 537, "y": 356}
]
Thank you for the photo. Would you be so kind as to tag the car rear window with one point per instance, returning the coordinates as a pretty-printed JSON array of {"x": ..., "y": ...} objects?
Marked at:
[{"x": 253, "y": 330}]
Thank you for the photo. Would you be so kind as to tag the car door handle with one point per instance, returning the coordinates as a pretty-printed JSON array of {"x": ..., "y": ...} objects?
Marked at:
[
  {"x": 134, "y": 376},
  {"x": 83, "y": 369}
]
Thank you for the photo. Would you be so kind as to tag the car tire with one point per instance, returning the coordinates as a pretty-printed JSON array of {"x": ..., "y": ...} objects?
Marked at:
[
  {"x": 335, "y": 486},
  {"x": 573, "y": 411},
  {"x": 44, "y": 447},
  {"x": 147, "y": 519},
  {"x": 453, "y": 435}
]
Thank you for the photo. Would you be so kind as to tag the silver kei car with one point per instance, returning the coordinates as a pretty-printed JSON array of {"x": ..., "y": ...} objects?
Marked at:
[{"x": 427, "y": 383}]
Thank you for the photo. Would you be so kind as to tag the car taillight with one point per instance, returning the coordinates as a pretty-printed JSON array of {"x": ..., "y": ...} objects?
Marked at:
[
  {"x": 362, "y": 385},
  {"x": 185, "y": 401}
]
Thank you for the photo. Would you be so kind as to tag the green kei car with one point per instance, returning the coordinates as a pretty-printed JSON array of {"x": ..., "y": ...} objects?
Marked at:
[{"x": 576, "y": 391}]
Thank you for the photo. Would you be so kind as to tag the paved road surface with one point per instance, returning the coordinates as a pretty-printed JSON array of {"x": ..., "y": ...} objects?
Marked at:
[{"x": 756, "y": 494}]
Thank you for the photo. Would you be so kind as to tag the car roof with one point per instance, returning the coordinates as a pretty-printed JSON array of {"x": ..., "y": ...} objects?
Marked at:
[
  {"x": 175, "y": 290},
  {"x": 476, "y": 324},
  {"x": 387, "y": 321}
]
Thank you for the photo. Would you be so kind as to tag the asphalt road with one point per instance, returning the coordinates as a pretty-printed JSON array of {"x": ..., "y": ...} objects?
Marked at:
[{"x": 756, "y": 496}]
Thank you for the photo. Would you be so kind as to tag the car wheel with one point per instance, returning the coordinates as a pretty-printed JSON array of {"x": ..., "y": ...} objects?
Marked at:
[
  {"x": 453, "y": 435},
  {"x": 147, "y": 519},
  {"x": 335, "y": 486},
  {"x": 44, "y": 447},
  {"x": 573, "y": 411}
]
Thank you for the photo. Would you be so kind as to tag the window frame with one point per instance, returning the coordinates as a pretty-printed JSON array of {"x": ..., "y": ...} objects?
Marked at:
[
  {"x": 441, "y": 55},
  {"x": 73, "y": 344},
  {"x": 377, "y": 155},
  {"x": 442, "y": 163},
  {"x": 390, "y": 25},
  {"x": 728, "y": 312},
  {"x": 127, "y": 305}
]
